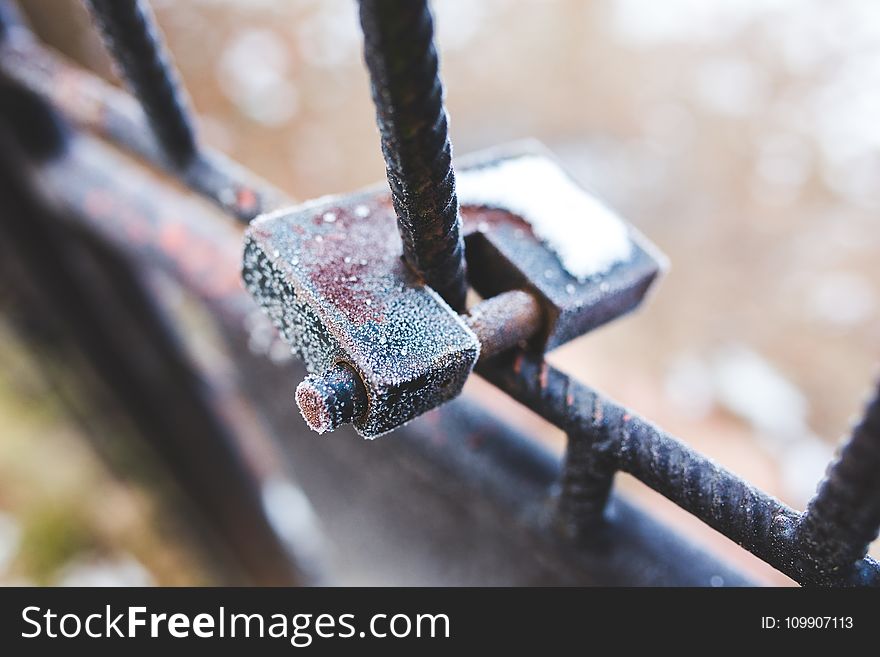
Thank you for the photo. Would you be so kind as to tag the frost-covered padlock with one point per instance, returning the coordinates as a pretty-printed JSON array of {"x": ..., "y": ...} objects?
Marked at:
[{"x": 330, "y": 275}]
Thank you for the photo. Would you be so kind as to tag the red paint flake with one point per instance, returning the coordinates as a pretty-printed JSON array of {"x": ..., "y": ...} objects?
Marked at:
[
  {"x": 246, "y": 199},
  {"x": 353, "y": 248}
]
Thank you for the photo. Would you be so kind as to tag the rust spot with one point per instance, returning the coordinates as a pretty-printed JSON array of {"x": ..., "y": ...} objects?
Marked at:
[
  {"x": 348, "y": 255},
  {"x": 313, "y": 408},
  {"x": 481, "y": 219},
  {"x": 246, "y": 200}
]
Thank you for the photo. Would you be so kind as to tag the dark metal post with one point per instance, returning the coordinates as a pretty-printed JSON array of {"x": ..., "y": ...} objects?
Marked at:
[
  {"x": 400, "y": 54},
  {"x": 136, "y": 44}
]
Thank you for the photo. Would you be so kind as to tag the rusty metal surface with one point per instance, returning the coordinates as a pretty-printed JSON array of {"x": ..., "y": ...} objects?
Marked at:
[
  {"x": 337, "y": 395},
  {"x": 331, "y": 277},
  {"x": 408, "y": 94},
  {"x": 146, "y": 208},
  {"x": 505, "y": 321}
]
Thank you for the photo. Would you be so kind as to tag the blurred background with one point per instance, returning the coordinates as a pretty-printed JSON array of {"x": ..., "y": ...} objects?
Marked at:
[{"x": 741, "y": 136}]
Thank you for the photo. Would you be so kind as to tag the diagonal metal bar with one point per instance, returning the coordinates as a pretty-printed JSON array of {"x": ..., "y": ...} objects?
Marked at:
[
  {"x": 400, "y": 55},
  {"x": 132, "y": 37},
  {"x": 844, "y": 517},
  {"x": 92, "y": 104},
  {"x": 620, "y": 440}
]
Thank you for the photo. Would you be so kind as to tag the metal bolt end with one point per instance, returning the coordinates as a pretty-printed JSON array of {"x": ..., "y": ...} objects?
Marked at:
[{"x": 332, "y": 398}]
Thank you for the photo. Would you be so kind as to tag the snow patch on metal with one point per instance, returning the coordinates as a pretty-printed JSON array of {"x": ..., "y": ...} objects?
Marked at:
[{"x": 586, "y": 236}]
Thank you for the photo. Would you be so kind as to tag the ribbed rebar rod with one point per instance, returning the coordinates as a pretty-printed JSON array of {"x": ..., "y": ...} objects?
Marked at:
[
  {"x": 134, "y": 40},
  {"x": 400, "y": 55},
  {"x": 607, "y": 437},
  {"x": 844, "y": 517}
]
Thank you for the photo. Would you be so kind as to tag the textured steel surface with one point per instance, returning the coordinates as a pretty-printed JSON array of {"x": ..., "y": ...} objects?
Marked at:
[
  {"x": 337, "y": 396},
  {"x": 331, "y": 277},
  {"x": 844, "y": 517},
  {"x": 400, "y": 55}
]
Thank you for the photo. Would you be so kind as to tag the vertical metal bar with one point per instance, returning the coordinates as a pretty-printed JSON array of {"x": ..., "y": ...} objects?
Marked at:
[
  {"x": 844, "y": 517},
  {"x": 134, "y": 40},
  {"x": 585, "y": 487},
  {"x": 589, "y": 466},
  {"x": 400, "y": 55}
]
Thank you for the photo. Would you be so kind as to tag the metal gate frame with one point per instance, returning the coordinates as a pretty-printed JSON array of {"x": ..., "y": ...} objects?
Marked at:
[{"x": 454, "y": 497}]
